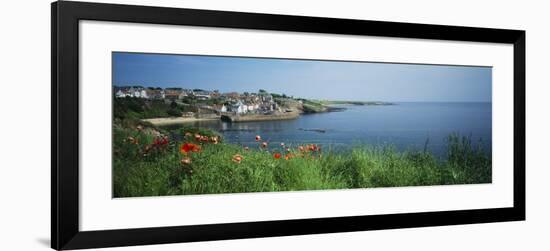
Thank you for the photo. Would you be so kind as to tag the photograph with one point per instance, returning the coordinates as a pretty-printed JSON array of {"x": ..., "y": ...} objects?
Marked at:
[{"x": 218, "y": 124}]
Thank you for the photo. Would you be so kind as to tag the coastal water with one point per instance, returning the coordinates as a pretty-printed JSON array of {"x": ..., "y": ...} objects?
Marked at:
[{"x": 406, "y": 126}]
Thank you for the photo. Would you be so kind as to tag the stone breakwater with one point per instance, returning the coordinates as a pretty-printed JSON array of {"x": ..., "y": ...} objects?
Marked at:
[{"x": 260, "y": 117}]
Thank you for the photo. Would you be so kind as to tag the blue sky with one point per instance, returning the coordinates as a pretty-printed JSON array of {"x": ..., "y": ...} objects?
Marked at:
[{"x": 307, "y": 78}]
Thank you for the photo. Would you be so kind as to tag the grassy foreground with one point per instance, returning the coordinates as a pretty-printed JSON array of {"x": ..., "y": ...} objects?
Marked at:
[{"x": 146, "y": 162}]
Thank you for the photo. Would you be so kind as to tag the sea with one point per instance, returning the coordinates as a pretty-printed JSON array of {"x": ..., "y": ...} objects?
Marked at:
[{"x": 405, "y": 126}]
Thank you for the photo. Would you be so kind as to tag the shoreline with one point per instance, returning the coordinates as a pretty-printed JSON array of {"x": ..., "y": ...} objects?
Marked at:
[{"x": 175, "y": 120}]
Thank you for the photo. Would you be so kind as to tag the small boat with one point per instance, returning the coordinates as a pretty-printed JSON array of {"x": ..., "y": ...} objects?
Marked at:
[{"x": 313, "y": 130}]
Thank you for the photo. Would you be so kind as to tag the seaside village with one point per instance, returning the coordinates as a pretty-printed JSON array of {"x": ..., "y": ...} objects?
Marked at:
[{"x": 208, "y": 102}]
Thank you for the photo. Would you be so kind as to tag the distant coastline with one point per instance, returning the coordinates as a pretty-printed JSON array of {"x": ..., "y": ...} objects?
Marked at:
[{"x": 346, "y": 102}]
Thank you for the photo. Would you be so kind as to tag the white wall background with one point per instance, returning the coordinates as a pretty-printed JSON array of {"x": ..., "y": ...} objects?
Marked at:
[{"x": 25, "y": 125}]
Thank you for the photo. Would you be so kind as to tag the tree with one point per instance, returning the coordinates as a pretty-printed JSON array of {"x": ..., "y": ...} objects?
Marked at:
[{"x": 174, "y": 113}]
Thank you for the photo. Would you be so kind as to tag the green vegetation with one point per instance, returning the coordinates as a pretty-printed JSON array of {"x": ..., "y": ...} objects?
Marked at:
[
  {"x": 146, "y": 165},
  {"x": 138, "y": 108},
  {"x": 313, "y": 106}
]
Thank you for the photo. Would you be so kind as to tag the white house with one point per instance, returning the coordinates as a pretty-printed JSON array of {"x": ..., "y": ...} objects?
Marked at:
[
  {"x": 239, "y": 107},
  {"x": 143, "y": 94},
  {"x": 223, "y": 108},
  {"x": 120, "y": 94},
  {"x": 202, "y": 96},
  {"x": 182, "y": 95},
  {"x": 132, "y": 92}
]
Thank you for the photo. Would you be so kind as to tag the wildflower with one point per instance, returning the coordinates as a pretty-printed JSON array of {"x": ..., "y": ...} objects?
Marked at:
[
  {"x": 237, "y": 158},
  {"x": 185, "y": 148},
  {"x": 139, "y": 127},
  {"x": 264, "y": 144},
  {"x": 282, "y": 144},
  {"x": 289, "y": 156},
  {"x": 246, "y": 148},
  {"x": 258, "y": 138},
  {"x": 277, "y": 155},
  {"x": 312, "y": 147},
  {"x": 301, "y": 148},
  {"x": 196, "y": 149},
  {"x": 132, "y": 140},
  {"x": 288, "y": 149},
  {"x": 147, "y": 148},
  {"x": 188, "y": 147},
  {"x": 188, "y": 134},
  {"x": 160, "y": 141},
  {"x": 197, "y": 137},
  {"x": 214, "y": 140},
  {"x": 185, "y": 161},
  {"x": 204, "y": 138}
]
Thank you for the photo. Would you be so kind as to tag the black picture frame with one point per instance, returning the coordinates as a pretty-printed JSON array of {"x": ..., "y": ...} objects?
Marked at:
[{"x": 65, "y": 233}]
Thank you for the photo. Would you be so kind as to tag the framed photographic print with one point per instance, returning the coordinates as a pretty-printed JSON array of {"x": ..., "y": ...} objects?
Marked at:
[{"x": 177, "y": 125}]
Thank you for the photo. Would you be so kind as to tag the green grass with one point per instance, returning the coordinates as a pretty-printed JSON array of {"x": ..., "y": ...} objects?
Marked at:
[
  {"x": 212, "y": 170},
  {"x": 313, "y": 106}
]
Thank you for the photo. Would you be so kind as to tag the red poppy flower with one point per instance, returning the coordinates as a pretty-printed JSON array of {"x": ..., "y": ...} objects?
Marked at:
[
  {"x": 197, "y": 137},
  {"x": 277, "y": 155},
  {"x": 188, "y": 147},
  {"x": 185, "y": 148},
  {"x": 258, "y": 138}
]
